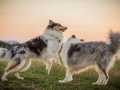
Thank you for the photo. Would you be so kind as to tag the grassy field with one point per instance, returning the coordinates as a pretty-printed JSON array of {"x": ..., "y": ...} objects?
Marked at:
[{"x": 37, "y": 79}]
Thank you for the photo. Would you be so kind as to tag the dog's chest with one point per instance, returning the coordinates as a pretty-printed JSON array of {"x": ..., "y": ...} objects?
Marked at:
[{"x": 54, "y": 45}]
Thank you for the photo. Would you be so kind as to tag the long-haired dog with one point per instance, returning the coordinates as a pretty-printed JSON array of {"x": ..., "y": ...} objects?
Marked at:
[
  {"x": 78, "y": 56},
  {"x": 45, "y": 47}
]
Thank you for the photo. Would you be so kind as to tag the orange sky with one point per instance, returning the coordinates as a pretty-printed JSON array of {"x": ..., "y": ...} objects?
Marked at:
[{"x": 22, "y": 20}]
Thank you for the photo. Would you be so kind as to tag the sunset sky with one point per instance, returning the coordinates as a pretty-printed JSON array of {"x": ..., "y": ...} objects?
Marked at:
[{"x": 22, "y": 20}]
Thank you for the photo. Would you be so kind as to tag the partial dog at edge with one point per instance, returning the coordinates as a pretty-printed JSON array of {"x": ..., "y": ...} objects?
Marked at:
[
  {"x": 45, "y": 47},
  {"x": 78, "y": 56}
]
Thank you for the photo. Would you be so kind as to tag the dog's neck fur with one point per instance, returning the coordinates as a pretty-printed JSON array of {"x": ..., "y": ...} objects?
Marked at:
[{"x": 52, "y": 34}]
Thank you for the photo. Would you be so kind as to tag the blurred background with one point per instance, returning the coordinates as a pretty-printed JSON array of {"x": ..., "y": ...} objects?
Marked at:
[{"x": 22, "y": 20}]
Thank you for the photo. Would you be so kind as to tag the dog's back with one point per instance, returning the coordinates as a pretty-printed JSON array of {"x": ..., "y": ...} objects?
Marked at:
[{"x": 87, "y": 52}]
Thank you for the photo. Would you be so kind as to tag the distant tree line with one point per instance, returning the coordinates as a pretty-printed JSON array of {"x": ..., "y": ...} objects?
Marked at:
[{"x": 6, "y": 45}]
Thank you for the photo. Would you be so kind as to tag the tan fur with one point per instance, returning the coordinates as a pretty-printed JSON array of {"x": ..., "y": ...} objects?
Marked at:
[
  {"x": 57, "y": 28},
  {"x": 26, "y": 66}
]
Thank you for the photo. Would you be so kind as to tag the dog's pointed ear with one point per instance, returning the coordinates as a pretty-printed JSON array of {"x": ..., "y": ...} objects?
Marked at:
[
  {"x": 51, "y": 22},
  {"x": 82, "y": 40},
  {"x": 73, "y": 36}
]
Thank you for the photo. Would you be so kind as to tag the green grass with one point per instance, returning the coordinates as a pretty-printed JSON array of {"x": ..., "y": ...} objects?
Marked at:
[{"x": 36, "y": 78}]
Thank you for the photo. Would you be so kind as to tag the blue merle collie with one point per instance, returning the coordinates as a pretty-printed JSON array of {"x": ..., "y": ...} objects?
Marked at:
[
  {"x": 78, "y": 56},
  {"x": 45, "y": 47}
]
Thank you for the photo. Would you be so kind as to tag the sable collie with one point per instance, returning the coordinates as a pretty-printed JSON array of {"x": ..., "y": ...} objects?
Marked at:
[
  {"x": 78, "y": 56},
  {"x": 45, "y": 47}
]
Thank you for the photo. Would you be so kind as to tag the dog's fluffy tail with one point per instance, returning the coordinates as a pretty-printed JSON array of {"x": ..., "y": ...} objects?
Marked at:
[
  {"x": 5, "y": 54},
  {"x": 114, "y": 41}
]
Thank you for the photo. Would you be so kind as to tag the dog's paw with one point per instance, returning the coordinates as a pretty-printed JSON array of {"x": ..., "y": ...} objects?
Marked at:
[
  {"x": 21, "y": 78},
  {"x": 4, "y": 79},
  {"x": 69, "y": 79},
  {"x": 61, "y": 81},
  {"x": 47, "y": 71},
  {"x": 96, "y": 83},
  {"x": 103, "y": 83},
  {"x": 59, "y": 64}
]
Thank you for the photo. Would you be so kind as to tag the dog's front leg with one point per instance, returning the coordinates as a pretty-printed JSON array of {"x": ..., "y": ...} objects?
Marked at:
[
  {"x": 68, "y": 77},
  {"x": 48, "y": 64},
  {"x": 54, "y": 56},
  {"x": 57, "y": 60}
]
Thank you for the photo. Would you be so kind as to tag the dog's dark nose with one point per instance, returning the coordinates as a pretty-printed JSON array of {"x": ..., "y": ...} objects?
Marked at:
[{"x": 65, "y": 28}]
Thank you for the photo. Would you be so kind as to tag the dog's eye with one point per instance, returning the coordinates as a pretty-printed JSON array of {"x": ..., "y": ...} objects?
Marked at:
[{"x": 58, "y": 24}]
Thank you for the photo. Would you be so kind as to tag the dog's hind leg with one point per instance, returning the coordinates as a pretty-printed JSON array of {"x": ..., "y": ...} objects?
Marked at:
[
  {"x": 13, "y": 68},
  {"x": 18, "y": 76},
  {"x": 5, "y": 75},
  {"x": 68, "y": 77},
  {"x": 48, "y": 64},
  {"x": 106, "y": 77},
  {"x": 101, "y": 75},
  {"x": 26, "y": 65},
  {"x": 18, "y": 68},
  {"x": 104, "y": 70}
]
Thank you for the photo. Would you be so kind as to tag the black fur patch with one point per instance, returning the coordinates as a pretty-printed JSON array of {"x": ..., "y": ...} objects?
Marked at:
[
  {"x": 13, "y": 52},
  {"x": 22, "y": 52},
  {"x": 73, "y": 48},
  {"x": 36, "y": 45}
]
